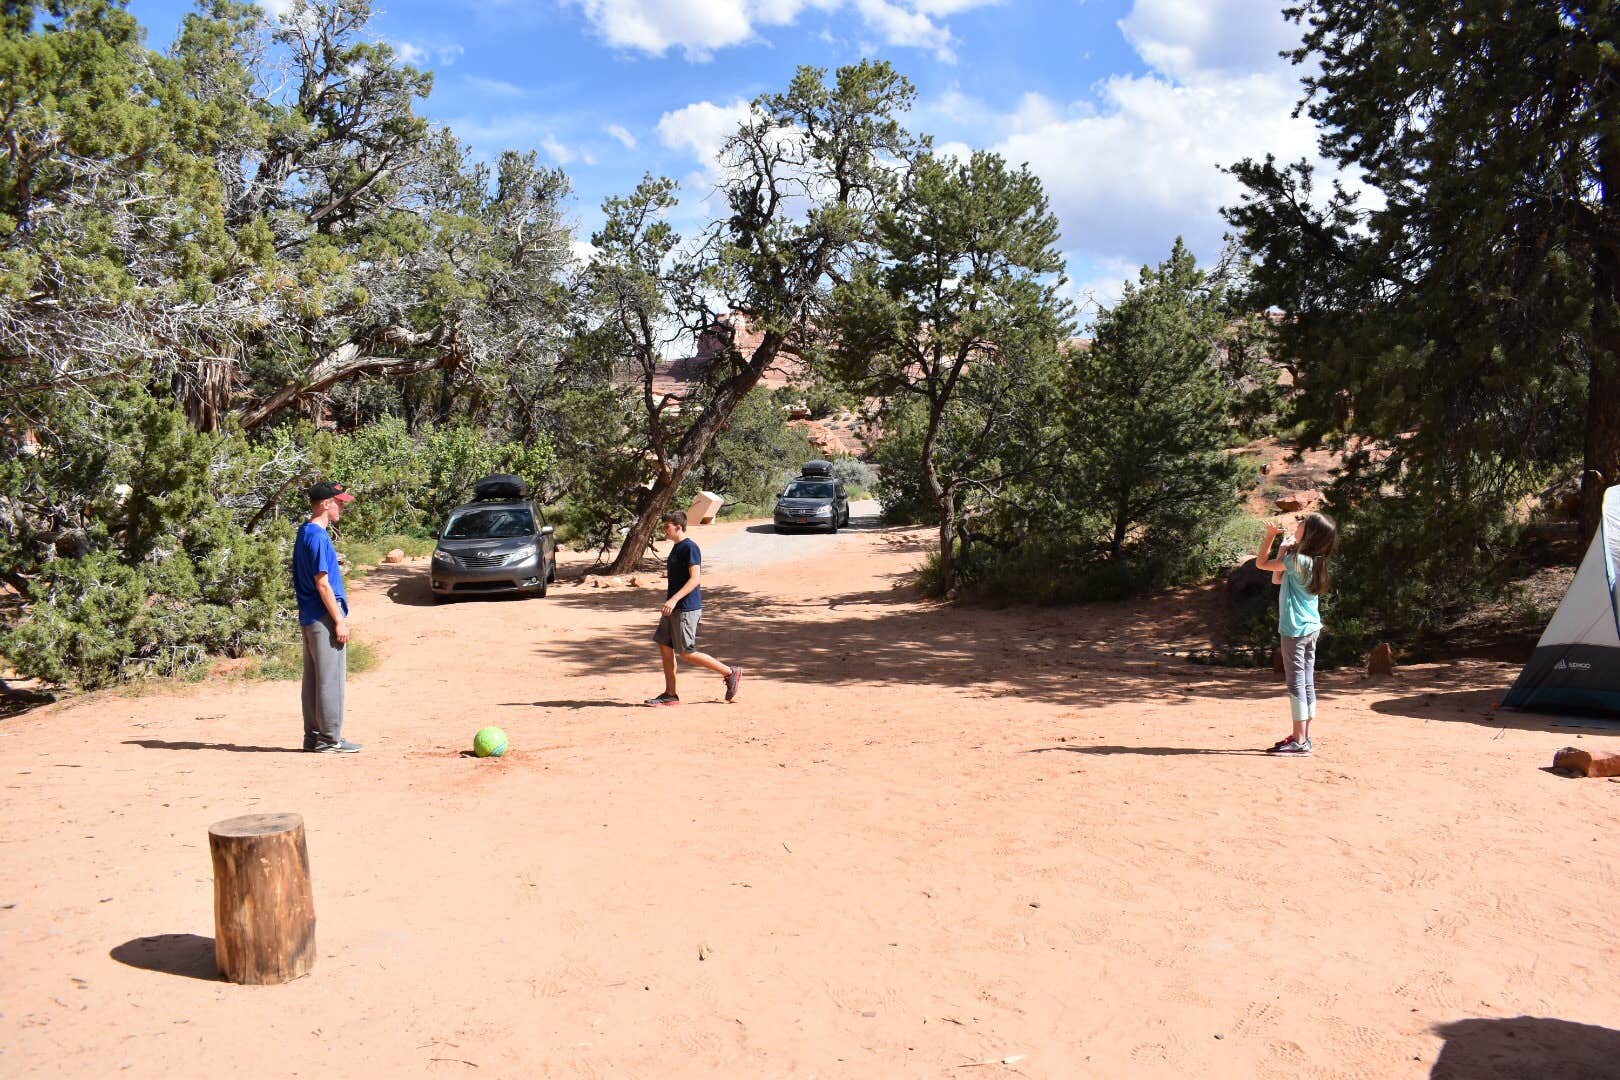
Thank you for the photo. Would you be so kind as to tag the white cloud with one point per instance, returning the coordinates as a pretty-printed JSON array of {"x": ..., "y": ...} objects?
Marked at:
[
  {"x": 622, "y": 133},
  {"x": 1137, "y": 163},
  {"x": 1142, "y": 167},
  {"x": 943, "y": 9},
  {"x": 1100, "y": 284},
  {"x": 519, "y": 131},
  {"x": 409, "y": 53},
  {"x": 903, "y": 26},
  {"x": 494, "y": 87},
  {"x": 555, "y": 150},
  {"x": 701, "y": 27},
  {"x": 583, "y": 251},
  {"x": 419, "y": 55},
  {"x": 701, "y": 128},
  {"x": 1190, "y": 39}
]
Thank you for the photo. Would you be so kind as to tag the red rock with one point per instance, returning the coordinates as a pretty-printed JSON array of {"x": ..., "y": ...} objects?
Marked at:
[
  {"x": 395, "y": 556},
  {"x": 1381, "y": 661},
  {"x": 1297, "y": 501},
  {"x": 1587, "y": 762}
]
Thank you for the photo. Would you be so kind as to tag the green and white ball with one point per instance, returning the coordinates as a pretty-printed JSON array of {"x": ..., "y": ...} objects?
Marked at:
[{"x": 489, "y": 742}]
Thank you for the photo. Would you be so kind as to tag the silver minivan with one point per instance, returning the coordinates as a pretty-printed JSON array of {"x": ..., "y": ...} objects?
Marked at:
[
  {"x": 494, "y": 545},
  {"x": 814, "y": 500}
]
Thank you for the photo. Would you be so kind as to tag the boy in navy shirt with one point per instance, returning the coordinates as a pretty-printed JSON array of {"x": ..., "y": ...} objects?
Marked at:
[
  {"x": 683, "y": 607},
  {"x": 323, "y": 616}
]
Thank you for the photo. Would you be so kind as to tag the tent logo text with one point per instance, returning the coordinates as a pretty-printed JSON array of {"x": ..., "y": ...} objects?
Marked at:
[{"x": 1572, "y": 665}]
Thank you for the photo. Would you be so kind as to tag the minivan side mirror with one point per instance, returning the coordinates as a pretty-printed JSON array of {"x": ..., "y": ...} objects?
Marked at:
[{"x": 546, "y": 530}]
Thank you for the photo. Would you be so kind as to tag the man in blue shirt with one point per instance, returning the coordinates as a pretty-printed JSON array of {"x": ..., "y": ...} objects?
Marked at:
[
  {"x": 683, "y": 607},
  {"x": 323, "y": 616}
]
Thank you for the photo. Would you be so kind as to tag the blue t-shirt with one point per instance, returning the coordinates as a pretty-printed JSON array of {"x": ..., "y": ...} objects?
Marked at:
[
  {"x": 682, "y": 557},
  {"x": 313, "y": 554},
  {"x": 1297, "y": 610}
]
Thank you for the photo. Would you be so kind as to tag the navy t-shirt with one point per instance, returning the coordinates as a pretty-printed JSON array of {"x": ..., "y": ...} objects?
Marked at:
[
  {"x": 682, "y": 557},
  {"x": 313, "y": 554}
]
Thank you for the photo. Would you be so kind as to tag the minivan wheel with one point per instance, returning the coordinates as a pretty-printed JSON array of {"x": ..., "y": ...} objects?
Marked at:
[{"x": 545, "y": 579}]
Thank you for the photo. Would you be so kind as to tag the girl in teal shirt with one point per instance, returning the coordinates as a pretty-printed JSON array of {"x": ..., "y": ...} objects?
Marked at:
[{"x": 1301, "y": 568}]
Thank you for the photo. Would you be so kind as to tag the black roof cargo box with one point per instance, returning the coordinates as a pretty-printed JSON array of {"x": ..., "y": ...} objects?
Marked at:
[
  {"x": 817, "y": 468},
  {"x": 500, "y": 486}
]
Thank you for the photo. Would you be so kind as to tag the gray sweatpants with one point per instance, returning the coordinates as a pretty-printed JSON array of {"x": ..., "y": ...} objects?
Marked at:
[
  {"x": 1299, "y": 668},
  {"x": 326, "y": 668}
]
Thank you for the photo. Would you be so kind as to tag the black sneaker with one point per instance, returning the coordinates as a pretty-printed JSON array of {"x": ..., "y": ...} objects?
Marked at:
[
  {"x": 1291, "y": 748},
  {"x": 663, "y": 699},
  {"x": 342, "y": 746},
  {"x": 732, "y": 680}
]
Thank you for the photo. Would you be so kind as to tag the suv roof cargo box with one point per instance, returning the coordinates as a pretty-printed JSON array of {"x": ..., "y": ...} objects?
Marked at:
[
  {"x": 500, "y": 486},
  {"x": 817, "y": 468}
]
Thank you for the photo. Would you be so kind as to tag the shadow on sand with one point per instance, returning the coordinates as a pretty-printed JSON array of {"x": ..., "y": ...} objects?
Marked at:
[
  {"x": 190, "y": 955},
  {"x": 573, "y": 704},
  {"x": 856, "y": 523},
  {"x": 1092, "y": 656},
  {"x": 235, "y": 748},
  {"x": 1483, "y": 707},
  {"x": 1526, "y": 1048},
  {"x": 1147, "y": 751}
]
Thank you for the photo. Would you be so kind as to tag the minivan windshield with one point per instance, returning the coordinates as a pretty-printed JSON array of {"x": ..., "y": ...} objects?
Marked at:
[
  {"x": 808, "y": 489},
  {"x": 490, "y": 523}
]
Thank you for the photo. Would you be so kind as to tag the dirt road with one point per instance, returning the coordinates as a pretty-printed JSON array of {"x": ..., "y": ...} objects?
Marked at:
[{"x": 922, "y": 839}]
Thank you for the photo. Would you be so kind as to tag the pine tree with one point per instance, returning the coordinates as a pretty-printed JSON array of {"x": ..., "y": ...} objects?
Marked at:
[
  {"x": 1465, "y": 314},
  {"x": 1151, "y": 414},
  {"x": 958, "y": 310}
]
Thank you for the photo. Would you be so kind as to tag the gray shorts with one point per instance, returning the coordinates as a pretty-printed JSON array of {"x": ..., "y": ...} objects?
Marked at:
[{"x": 679, "y": 631}]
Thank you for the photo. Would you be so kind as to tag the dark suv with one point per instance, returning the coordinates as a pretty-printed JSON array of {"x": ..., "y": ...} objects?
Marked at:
[
  {"x": 815, "y": 500},
  {"x": 498, "y": 543}
]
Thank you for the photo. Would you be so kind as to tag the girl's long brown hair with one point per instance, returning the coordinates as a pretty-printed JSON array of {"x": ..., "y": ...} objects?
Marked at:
[{"x": 1320, "y": 537}]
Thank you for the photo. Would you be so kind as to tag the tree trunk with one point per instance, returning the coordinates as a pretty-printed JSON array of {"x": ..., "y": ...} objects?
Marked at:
[
  {"x": 944, "y": 499},
  {"x": 264, "y": 909},
  {"x": 689, "y": 452},
  {"x": 1122, "y": 524},
  {"x": 1602, "y": 450}
]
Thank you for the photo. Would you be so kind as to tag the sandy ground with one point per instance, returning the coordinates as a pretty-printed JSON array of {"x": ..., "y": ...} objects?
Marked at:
[{"x": 923, "y": 838}]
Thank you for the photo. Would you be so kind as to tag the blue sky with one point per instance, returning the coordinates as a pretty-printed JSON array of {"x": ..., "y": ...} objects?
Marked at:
[{"x": 1123, "y": 107}]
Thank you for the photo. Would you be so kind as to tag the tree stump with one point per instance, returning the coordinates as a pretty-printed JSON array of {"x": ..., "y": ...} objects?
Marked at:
[{"x": 264, "y": 911}]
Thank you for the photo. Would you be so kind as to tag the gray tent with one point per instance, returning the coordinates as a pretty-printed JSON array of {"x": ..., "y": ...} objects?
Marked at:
[{"x": 1576, "y": 665}]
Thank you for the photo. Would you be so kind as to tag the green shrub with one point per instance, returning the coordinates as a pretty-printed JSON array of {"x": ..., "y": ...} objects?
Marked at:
[
  {"x": 901, "y": 489},
  {"x": 405, "y": 484},
  {"x": 859, "y": 478},
  {"x": 285, "y": 660},
  {"x": 158, "y": 577},
  {"x": 753, "y": 458},
  {"x": 367, "y": 554}
]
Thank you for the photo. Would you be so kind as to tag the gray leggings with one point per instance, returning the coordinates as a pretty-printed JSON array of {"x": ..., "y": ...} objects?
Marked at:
[{"x": 1299, "y": 668}]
